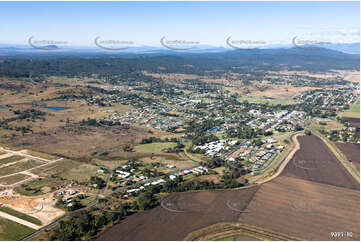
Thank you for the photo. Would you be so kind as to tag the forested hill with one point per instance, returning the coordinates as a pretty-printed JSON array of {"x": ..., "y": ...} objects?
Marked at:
[{"x": 313, "y": 60}]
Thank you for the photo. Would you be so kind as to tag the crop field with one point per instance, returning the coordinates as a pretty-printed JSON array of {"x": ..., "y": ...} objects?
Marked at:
[
  {"x": 10, "y": 230},
  {"x": 352, "y": 152},
  {"x": 305, "y": 209},
  {"x": 181, "y": 214},
  {"x": 315, "y": 162}
]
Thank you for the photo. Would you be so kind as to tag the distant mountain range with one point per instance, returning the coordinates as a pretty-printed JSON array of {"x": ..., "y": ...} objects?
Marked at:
[{"x": 18, "y": 50}]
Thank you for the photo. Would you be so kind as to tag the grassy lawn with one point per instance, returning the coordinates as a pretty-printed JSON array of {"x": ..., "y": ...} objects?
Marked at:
[
  {"x": 10, "y": 159},
  {"x": 41, "y": 155},
  {"x": 356, "y": 107},
  {"x": 10, "y": 230},
  {"x": 273, "y": 101},
  {"x": 13, "y": 179},
  {"x": 21, "y": 215},
  {"x": 87, "y": 200},
  {"x": 82, "y": 172},
  {"x": 353, "y": 112},
  {"x": 230, "y": 238},
  {"x": 155, "y": 148}
]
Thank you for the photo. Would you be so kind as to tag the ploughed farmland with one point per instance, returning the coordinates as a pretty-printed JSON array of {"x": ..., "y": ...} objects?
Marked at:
[
  {"x": 352, "y": 152},
  {"x": 305, "y": 209},
  {"x": 181, "y": 214},
  {"x": 315, "y": 162}
]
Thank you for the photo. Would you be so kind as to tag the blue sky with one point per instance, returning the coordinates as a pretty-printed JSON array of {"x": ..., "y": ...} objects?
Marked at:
[{"x": 209, "y": 23}]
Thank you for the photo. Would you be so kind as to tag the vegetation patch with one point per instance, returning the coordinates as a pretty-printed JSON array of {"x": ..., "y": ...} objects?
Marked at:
[
  {"x": 156, "y": 148},
  {"x": 20, "y": 215},
  {"x": 13, "y": 231},
  {"x": 34, "y": 188},
  {"x": 81, "y": 173}
]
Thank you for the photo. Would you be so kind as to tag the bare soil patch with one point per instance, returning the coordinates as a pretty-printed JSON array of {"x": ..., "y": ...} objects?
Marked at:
[{"x": 315, "y": 162}]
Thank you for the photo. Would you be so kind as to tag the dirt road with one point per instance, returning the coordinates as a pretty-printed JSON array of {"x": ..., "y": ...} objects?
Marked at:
[{"x": 20, "y": 221}]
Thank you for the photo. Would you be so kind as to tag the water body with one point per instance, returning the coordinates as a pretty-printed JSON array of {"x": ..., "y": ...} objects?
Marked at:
[
  {"x": 55, "y": 108},
  {"x": 1, "y": 107}
]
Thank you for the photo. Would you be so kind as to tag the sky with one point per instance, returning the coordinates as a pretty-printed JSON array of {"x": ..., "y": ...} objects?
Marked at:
[{"x": 208, "y": 23}]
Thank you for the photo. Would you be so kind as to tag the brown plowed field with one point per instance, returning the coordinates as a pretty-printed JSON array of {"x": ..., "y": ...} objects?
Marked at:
[
  {"x": 352, "y": 151},
  {"x": 181, "y": 214},
  {"x": 315, "y": 162},
  {"x": 305, "y": 209}
]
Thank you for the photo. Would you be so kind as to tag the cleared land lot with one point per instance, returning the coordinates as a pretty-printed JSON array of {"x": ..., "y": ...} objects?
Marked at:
[
  {"x": 181, "y": 214},
  {"x": 13, "y": 179},
  {"x": 10, "y": 159},
  {"x": 79, "y": 142},
  {"x": 305, "y": 209},
  {"x": 315, "y": 162},
  {"x": 352, "y": 151},
  {"x": 19, "y": 166}
]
